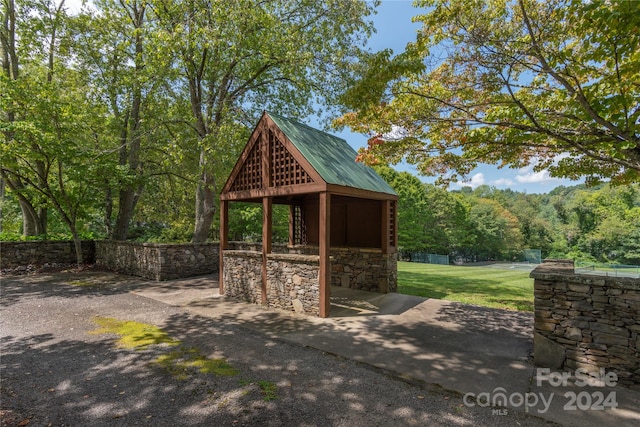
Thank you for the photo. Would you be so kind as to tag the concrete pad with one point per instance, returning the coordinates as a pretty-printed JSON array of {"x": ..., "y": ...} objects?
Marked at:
[{"x": 469, "y": 349}]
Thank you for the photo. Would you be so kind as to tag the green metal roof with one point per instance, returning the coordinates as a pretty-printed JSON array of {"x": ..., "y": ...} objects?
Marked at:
[{"x": 332, "y": 157}]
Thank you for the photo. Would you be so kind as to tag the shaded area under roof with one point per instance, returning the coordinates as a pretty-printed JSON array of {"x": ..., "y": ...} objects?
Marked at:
[{"x": 332, "y": 157}]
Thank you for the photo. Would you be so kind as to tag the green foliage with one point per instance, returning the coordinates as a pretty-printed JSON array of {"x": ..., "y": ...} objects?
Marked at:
[
  {"x": 430, "y": 219},
  {"x": 141, "y": 108},
  {"x": 496, "y": 231},
  {"x": 236, "y": 58},
  {"x": 549, "y": 83},
  {"x": 605, "y": 222},
  {"x": 245, "y": 222},
  {"x": 17, "y": 237}
]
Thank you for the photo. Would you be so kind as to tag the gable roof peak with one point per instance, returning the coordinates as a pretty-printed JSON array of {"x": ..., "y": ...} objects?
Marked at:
[{"x": 331, "y": 156}]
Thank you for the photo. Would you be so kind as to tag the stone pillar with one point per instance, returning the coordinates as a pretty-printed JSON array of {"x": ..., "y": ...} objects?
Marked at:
[
  {"x": 547, "y": 352},
  {"x": 587, "y": 321}
]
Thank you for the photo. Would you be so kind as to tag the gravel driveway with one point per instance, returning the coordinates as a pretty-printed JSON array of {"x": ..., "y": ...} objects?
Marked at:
[{"x": 54, "y": 372}]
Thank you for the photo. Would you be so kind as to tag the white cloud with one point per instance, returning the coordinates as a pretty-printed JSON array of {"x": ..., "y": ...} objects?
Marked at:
[
  {"x": 526, "y": 175},
  {"x": 397, "y": 132},
  {"x": 503, "y": 182},
  {"x": 476, "y": 181},
  {"x": 529, "y": 177}
]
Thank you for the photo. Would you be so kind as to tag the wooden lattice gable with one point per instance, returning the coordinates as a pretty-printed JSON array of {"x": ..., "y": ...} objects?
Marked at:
[
  {"x": 334, "y": 160},
  {"x": 270, "y": 161}
]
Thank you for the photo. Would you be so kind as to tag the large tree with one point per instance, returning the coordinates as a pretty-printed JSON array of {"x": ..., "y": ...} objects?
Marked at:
[
  {"x": 116, "y": 48},
  {"x": 550, "y": 83},
  {"x": 239, "y": 57},
  {"x": 30, "y": 33},
  {"x": 48, "y": 141}
]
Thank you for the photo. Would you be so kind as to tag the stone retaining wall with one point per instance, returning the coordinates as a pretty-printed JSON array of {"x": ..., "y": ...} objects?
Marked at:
[
  {"x": 293, "y": 283},
  {"x": 16, "y": 254},
  {"x": 242, "y": 275},
  {"x": 585, "y": 321},
  {"x": 364, "y": 269},
  {"x": 356, "y": 268},
  {"x": 292, "y": 280},
  {"x": 158, "y": 261}
]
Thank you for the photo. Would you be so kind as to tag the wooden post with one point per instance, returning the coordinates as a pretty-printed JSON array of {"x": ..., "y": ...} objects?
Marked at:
[
  {"x": 266, "y": 242},
  {"x": 386, "y": 226},
  {"x": 224, "y": 243},
  {"x": 292, "y": 225},
  {"x": 394, "y": 217},
  {"x": 325, "y": 262}
]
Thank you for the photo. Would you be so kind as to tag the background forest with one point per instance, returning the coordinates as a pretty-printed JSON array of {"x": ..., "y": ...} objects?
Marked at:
[
  {"x": 597, "y": 224},
  {"x": 600, "y": 224}
]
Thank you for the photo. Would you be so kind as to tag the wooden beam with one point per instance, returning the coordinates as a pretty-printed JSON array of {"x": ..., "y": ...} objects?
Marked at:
[
  {"x": 324, "y": 238},
  {"x": 343, "y": 190},
  {"x": 285, "y": 191},
  {"x": 224, "y": 241},
  {"x": 266, "y": 242},
  {"x": 265, "y": 153}
]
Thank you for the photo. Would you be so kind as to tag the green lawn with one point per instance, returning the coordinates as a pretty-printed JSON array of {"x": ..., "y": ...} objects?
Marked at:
[{"x": 489, "y": 287}]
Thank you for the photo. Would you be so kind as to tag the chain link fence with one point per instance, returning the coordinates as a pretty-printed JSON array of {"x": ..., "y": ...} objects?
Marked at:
[
  {"x": 427, "y": 258},
  {"x": 612, "y": 270}
]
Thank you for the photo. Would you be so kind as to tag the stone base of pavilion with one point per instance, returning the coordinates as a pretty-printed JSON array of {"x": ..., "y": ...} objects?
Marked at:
[{"x": 293, "y": 274}]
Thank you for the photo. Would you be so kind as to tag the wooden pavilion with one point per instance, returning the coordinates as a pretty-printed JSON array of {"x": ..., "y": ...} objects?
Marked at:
[{"x": 340, "y": 212}]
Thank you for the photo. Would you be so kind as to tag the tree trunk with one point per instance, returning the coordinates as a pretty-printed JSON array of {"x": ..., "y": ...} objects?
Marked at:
[
  {"x": 205, "y": 204},
  {"x": 130, "y": 151},
  {"x": 1, "y": 201},
  {"x": 108, "y": 210},
  {"x": 126, "y": 206},
  {"x": 28, "y": 218},
  {"x": 77, "y": 243}
]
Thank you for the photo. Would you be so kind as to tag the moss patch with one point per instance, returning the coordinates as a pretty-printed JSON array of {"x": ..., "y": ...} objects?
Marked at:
[
  {"x": 83, "y": 283},
  {"x": 133, "y": 335},
  {"x": 182, "y": 362}
]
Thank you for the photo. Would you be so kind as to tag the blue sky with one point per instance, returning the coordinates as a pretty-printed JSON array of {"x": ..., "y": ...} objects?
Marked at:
[{"x": 394, "y": 30}]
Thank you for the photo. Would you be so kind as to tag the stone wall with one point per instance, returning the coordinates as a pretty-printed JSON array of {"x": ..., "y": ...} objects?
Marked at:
[
  {"x": 364, "y": 269},
  {"x": 242, "y": 275},
  {"x": 293, "y": 283},
  {"x": 292, "y": 280},
  {"x": 158, "y": 261},
  {"x": 585, "y": 321},
  {"x": 16, "y": 254},
  {"x": 356, "y": 268}
]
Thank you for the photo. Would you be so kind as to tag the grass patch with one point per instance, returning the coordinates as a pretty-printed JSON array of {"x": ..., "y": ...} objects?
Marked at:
[
  {"x": 269, "y": 390},
  {"x": 132, "y": 335},
  {"x": 489, "y": 287}
]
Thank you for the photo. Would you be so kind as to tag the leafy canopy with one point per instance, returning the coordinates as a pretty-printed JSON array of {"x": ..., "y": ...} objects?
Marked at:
[{"x": 549, "y": 83}]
